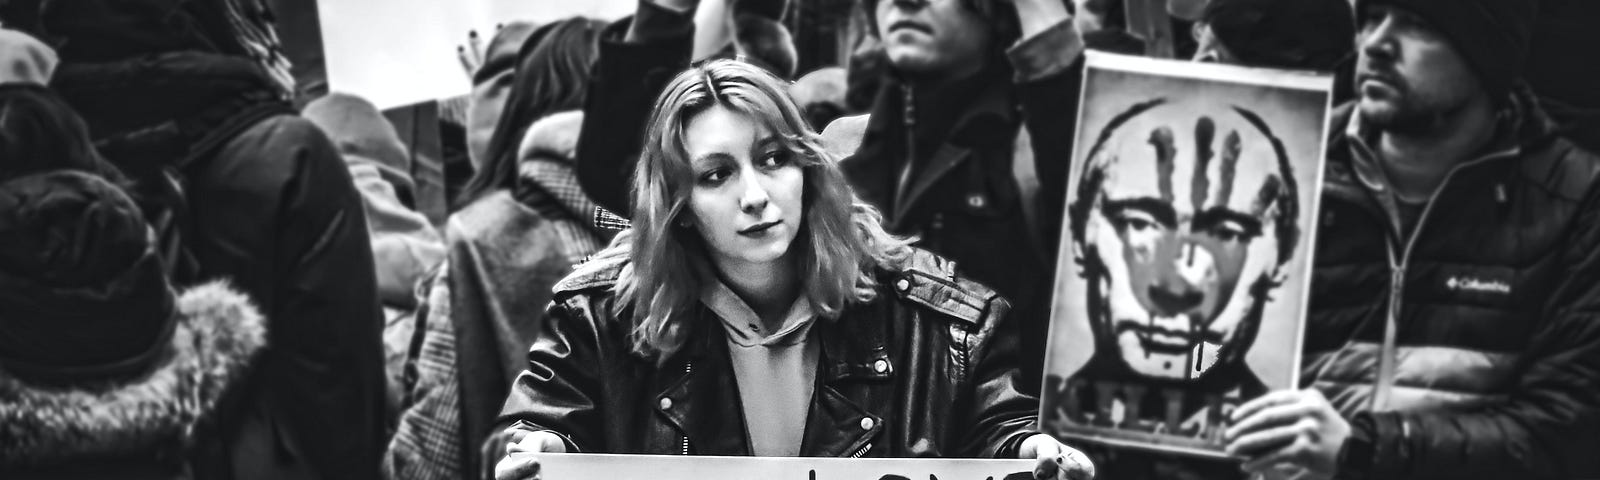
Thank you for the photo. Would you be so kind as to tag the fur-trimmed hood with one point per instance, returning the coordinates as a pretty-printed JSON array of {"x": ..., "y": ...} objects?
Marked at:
[{"x": 219, "y": 336}]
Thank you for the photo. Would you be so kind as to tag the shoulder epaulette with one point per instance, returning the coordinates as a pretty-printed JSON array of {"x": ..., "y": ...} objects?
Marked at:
[
  {"x": 595, "y": 272},
  {"x": 931, "y": 281}
]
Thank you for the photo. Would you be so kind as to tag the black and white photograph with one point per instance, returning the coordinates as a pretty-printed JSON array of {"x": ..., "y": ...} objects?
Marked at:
[{"x": 809, "y": 239}]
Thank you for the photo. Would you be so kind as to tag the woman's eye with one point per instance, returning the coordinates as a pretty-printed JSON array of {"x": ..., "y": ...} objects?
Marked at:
[
  {"x": 774, "y": 159},
  {"x": 714, "y": 176}
]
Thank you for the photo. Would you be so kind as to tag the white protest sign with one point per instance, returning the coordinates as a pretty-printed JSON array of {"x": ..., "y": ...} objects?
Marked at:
[
  {"x": 400, "y": 52},
  {"x": 559, "y": 466}
]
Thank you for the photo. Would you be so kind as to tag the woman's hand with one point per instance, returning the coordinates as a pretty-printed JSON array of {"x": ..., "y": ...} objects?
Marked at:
[
  {"x": 518, "y": 464},
  {"x": 1056, "y": 460}
]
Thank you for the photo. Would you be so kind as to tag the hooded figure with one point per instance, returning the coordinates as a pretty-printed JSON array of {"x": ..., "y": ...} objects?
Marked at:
[
  {"x": 405, "y": 247},
  {"x": 525, "y": 224},
  {"x": 189, "y": 99},
  {"x": 104, "y": 369}
]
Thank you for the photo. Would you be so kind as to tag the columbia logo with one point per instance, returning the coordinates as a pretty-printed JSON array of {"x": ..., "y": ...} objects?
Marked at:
[{"x": 1476, "y": 285}]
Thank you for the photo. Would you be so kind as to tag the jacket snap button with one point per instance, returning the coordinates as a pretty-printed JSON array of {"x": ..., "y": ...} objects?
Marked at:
[
  {"x": 867, "y": 423},
  {"x": 976, "y": 201},
  {"x": 902, "y": 285},
  {"x": 880, "y": 366},
  {"x": 666, "y": 403}
]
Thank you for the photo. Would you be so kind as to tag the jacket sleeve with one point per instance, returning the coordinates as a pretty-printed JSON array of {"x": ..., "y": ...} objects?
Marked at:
[
  {"x": 1002, "y": 415},
  {"x": 405, "y": 247},
  {"x": 1049, "y": 77},
  {"x": 627, "y": 79},
  {"x": 1546, "y": 427},
  {"x": 558, "y": 392},
  {"x": 295, "y": 237}
]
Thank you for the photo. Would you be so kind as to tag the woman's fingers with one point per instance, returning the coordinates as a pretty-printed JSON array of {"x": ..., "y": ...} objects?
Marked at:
[{"x": 517, "y": 467}]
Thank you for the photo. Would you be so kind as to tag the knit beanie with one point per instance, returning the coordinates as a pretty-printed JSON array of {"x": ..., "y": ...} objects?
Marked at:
[
  {"x": 82, "y": 292},
  {"x": 1291, "y": 34},
  {"x": 1492, "y": 35}
]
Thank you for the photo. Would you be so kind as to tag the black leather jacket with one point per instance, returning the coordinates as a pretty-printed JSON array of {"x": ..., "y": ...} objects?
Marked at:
[{"x": 926, "y": 370}]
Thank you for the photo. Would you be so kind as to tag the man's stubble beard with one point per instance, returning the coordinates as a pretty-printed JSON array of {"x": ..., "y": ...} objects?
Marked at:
[{"x": 1413, "y": 115}]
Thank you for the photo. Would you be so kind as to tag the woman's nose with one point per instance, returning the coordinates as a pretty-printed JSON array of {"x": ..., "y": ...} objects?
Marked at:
[{"x": 754, "y": 197}]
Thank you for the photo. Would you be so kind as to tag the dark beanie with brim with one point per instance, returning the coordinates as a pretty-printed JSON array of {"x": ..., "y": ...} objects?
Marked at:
[
  {"x": 1492, "y": 35},
  {"x": 83, "y": 295}
]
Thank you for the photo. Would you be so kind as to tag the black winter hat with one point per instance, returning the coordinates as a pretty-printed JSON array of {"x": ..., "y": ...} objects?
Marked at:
[
  {"x": 1493, "y": 35},
  {"x": 773, "y": 9},
  {"x": 1292, "y": 34},
  {"x": 82, "y": 292}
]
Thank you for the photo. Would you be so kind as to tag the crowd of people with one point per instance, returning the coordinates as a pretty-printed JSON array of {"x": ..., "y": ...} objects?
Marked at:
[{"x": 668, "y": 240}]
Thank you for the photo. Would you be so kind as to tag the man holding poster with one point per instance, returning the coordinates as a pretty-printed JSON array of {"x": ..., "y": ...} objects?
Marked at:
[{"x": 1452, "y": 332}]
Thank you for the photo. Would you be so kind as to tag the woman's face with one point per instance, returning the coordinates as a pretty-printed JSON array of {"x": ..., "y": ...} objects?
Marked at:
[{"x": 746, "y": 199}]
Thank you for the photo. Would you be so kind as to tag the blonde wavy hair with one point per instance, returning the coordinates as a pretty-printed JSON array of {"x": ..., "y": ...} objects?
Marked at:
[{"x": 841, "y": 242}]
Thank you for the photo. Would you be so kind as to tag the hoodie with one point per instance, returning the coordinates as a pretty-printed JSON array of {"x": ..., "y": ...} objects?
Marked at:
[{"x": 405, "y": 247}]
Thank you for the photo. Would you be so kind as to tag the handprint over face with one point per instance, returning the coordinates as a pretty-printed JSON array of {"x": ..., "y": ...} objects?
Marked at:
[{"x": 1182, "y": 220}]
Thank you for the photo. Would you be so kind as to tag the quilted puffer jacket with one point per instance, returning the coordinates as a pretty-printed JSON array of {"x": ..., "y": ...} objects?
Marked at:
[{"x": 1470, "y": 348}]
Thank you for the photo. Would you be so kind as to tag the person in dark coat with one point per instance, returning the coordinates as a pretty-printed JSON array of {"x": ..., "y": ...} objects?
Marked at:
[
  {"x": 1452, "y": 330},
  {"x": 106, "y": 369},
  {"x": 189, "y": 99}
]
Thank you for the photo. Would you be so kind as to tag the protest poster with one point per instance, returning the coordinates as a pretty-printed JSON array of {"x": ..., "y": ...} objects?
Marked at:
[
  {"x": 401, "y": 52},
  {"x": 667, "y": 467},
  {"x": 1186, "y": 257}
]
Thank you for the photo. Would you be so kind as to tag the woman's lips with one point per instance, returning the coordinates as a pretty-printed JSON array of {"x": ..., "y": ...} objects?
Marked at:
[{"x": 758, "y": 229}]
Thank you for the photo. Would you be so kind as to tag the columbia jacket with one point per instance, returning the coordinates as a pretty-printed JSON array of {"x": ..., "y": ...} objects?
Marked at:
[
  {"x": 1471, "y": 347},
  {"x": 928, "y": 369}
]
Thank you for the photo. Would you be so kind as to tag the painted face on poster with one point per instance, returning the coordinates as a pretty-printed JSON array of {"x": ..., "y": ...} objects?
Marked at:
[
  {"x": 1184, "y": 208},
  {"x": 1183, "y": 274}
]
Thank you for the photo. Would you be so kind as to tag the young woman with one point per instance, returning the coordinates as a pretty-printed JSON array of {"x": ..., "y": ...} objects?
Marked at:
[{"x": 757, "y": 308}]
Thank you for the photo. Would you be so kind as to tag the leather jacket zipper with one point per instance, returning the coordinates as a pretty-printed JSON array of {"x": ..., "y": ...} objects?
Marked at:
[
  {"x": 862, "y": 451},
  {"x": 688, "y": 367}
]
